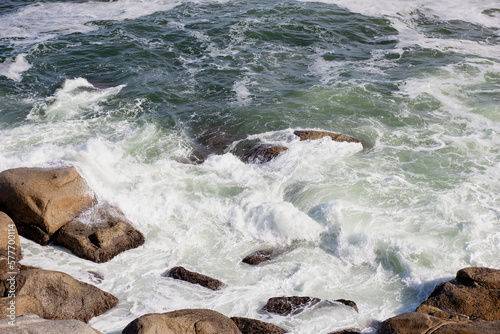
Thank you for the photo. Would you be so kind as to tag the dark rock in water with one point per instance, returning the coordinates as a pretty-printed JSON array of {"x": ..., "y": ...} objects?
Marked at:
[
  {"x": 32, "y": 324},
  {"x": 185, "y": 275},
  {"x": 59, "y": 295},
  {"x": 313, "y": 135},
  {"x": 349, "y": 303},
  {"x": 99, "y": 234},
  {"x": 474, "y": 293},
  {"x": 258, "y": 257},
  {"x": 42, "y": 200},
  {"x": 413, "y": 322},
  {"x": 262, "y": 153},
  {"x": 253, "y": 326},
  {"x": 347, "y": 331},
  {"x": 191, "y": 321},
  {"x": 289, "y": 305},
  {"x": 9, "y": 237},
  {"x": 215, "y": 140},
  {"x": 469, "y": 304}
]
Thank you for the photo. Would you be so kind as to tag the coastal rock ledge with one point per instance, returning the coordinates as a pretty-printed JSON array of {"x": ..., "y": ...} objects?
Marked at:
[{"x": 468, "y": 304}]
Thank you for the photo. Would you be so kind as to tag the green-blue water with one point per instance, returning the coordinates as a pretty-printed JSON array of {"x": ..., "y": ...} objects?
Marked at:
[{"x": 129, "y": 92}]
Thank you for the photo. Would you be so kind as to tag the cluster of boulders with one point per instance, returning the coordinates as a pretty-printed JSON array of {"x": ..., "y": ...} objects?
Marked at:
[{"x": 56, "y": 206}]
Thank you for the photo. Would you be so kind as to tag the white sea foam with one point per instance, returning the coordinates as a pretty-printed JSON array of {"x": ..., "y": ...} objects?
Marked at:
[{"x": 13, "y": 69}]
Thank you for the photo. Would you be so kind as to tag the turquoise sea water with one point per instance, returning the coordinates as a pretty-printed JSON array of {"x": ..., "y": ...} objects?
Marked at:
[{"x": 125, "y": 90}]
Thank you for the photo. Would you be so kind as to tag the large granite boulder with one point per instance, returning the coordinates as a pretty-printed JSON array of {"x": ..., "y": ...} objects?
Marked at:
[
  {"x": 294, "y": 305},
  {"x": 10, "y": 245},
  {"x": 59, "y": 295},
  {"x": 99, "y": 234},
  {"x": 468, "y": 304},
  {"x": 42, "y": 200},
  {"x": 414, "y": 322},
  {"x": 475, "y": 292},
  {"x": 183, "y": 274},
  {"x": 314, "y": 135},
  {"x": 32, "y": 324},
  {"x": 253, "y": 326},
  {"x": 190, "y": 321}
]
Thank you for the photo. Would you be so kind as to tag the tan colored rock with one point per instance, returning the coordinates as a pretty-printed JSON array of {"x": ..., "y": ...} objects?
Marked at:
[
  {"x": 32, "y": 324},
  {"x": 10, "y": 245},
  {"x": 14, "y": 307},
  {"x": 314, "y": 135},
  {"x": 190, "y": 321},
  {"x": 479, "y": 297},
  {"x": 42, "y": 200},
  {"x": 99, "y": 234},
  {"x": 60, "y": 295},
  {"x": 253, "y": 326},
  {"x": 413, "y": 323}
]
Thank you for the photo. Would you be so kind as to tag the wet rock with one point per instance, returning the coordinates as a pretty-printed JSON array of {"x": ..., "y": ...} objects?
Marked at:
[
  {"x": 32, "y": 324},
  {"x": 413, "y": 322},
  {"x": 215, "y": 140},
  {"x": 60, "y": 295},
  {"x": 313, "y": 135},
  {"x": 347, "y": 331},
  {"x": 295, "y": 305},
  {"x": 185, "y": 275},
  {"x": 289, "y": 305},
  {"x": 253, "y": 326},
  {"x": 10, "y": 245},
  {"x": 474, "y": 293},
  {"x": 99, "y": 234},
  {"x": 258, "y": 257},
  {"x": 193, "y": 321},
  {"x": 42, "y": 200},
  {"x": 262, "y": 153}
]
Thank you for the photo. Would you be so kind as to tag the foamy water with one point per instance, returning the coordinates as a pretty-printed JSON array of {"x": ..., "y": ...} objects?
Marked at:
[{"x": 380, "y": 226}]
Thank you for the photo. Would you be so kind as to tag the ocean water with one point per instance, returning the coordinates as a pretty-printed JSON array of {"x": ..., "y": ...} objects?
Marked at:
[{"x": 125, "y": 89}]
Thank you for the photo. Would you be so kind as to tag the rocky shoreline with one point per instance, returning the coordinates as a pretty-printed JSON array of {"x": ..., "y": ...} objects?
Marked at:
[{"x": 56, "y": 206}]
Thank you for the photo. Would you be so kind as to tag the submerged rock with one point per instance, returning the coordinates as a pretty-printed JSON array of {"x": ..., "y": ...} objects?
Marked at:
[
  {"x": 32, "y": 324},
  {"x": 215, "y": 140},
  {"x": 258, "y": 257},
  {"x": 42, "y": 200},
  {"x": 185, "y": 275},
  {"x": 313, "y": 135},
  {"x": 253, "y": 326},
  {"x": 99, "y": 234},
  {"x": 262, "y": 153},
  {"x": 193, "y": 321},
  {"x": 56, "y": 295}
]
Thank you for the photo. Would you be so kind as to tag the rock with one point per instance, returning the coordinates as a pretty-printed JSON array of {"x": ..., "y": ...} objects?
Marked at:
[
  {"x": 413, "y": 322},
  {"x": 258, "y": 257},
  {"x": 99, "y": 234},
  {"x": 32, "y": 324},
  {"x": 42, "y": 200},
  {"x": 473, "y": 293},
  {"x": 185, "y": 275},
  {"x": 253, "y": 326},
  {"x": 194, "y": 321},
  {"x": 347, "y": 331},
  {"x": 262, "y": 153},
  {"x": 289, "y": 305},
  {"x": 313, "y": 135},
  {"x": 22, "y": 305},
  {"x": 60, "y": 295},
  {"x": 10, "y": 245},
  {"x": 295, "y": 305}
]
